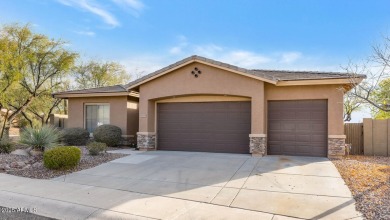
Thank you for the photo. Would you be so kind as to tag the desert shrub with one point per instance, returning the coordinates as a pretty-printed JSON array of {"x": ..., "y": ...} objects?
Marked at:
[
  {"x": 42, "y": 138},
  {"x": 64, "y": 157},
  {"x": 96, "y": 148},
  {"x": 6, "y": 146},
  {"x": 75, "y": 136},
  {"x": 108, "y": 134}
]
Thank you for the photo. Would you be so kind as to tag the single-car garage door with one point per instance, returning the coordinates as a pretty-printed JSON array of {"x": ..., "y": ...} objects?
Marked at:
[
  {"x": 204, "y": 126},
  {"x": 298, "y": 127}
]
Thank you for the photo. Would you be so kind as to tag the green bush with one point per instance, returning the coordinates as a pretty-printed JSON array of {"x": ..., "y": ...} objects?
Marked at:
[
  {"x": 42, "y": 138},
  {"x": 75, "y": 136},
  {"x": 96, "y": 148},
  {"x": 65, "y": 157},
  {"x": 108, "y": 134},
  {"x": 6, "y": 146}
]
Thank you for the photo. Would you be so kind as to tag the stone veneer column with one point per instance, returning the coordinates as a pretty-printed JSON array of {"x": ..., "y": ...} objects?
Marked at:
[
  {"x": 336, "y": 146},
  {"x": 258, "y": 144},
  {"x": 146, "y": 141}
]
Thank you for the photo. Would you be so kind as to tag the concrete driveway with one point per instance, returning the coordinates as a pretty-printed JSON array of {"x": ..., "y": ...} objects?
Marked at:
[{"x": 186, "y": 185}]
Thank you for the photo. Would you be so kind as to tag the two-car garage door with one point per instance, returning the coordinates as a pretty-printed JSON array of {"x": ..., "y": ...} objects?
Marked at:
[{"x": 204, "y": 126}]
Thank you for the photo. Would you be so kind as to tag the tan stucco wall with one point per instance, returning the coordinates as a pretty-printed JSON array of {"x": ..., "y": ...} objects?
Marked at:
[
  {"x": 376, "y": 137},
  {"x": 330, "y": 92},
  {"x": 118, "y": 111},
  {"x": 212, "y": 81}
]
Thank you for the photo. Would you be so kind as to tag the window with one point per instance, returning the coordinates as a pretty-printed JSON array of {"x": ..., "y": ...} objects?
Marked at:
[{"x": 96, "y": 115}]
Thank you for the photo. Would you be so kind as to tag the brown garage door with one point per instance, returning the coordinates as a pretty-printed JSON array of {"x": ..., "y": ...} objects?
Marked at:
[
  {"x": 298, "y": 127},
  {"x": 206, "y": 126}
]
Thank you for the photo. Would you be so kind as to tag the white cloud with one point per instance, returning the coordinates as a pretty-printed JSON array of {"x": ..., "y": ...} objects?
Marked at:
[
  {"x": 279, "y": 60},
  {"x": 290, "y": 57},
  {"x": 208, "y": 50},
  {"x": 175, "y": 50},
  {"x": 133, "y": 4},
  {"x": 86, "y": 33},
  {"x": 181, "y": 45},
  {"x": 94, "y": 8},
  {"x": 246, "y": 59},
  {"x": 238, "y": 57}
]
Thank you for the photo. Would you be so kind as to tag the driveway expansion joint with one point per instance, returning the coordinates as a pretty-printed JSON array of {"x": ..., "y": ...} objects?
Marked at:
[
  {"x": 308, "y": 194},
  {"x": 229, "y": 180},
  {"x": 294, "y": 174},
  {"x": 246, "y": 179}
]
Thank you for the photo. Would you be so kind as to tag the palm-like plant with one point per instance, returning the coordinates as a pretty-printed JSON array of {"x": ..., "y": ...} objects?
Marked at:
[{"x": 42, "y": 138}]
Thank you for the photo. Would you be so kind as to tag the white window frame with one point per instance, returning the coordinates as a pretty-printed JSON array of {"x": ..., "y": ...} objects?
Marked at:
[{"x": 85, "y": 112}]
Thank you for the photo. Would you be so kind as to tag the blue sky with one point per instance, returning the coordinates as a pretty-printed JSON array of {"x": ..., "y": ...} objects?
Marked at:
[{"x": 145, "y": 35}]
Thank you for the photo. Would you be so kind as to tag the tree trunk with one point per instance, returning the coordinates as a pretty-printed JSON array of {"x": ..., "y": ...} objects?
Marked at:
[
  {"x": 20, "y": 109},
  {"x": 3, "y": 127},
  {"x": 65, "y": 106},
  {"x": 28, "y": 119},
  {"x": 7, "y": 126}
]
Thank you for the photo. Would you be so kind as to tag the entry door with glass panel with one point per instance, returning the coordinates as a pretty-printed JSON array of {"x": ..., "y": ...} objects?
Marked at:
[{"x": 96, "y": 115}]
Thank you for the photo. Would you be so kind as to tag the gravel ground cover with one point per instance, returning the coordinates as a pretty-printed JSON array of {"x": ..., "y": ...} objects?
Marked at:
[
  {"x": 32, "y": 166},
  {"x": 368, "y": 178}
]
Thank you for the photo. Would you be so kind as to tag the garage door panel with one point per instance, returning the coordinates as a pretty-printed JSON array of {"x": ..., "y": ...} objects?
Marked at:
[
  {"x": 276, "y": 125},
  {"x": 276, "y": 149},
  {"x": 286, "y": 116},
  {"x": 302, "y": 115},
  {"x": 303, "y": 138},
  {"x": 273, "y": 136},
  {"x": 208, "y": 127},
  {"x": 317, "y": 138},
  {"x": 287, "y": 137},
  {"x": 286, "y": 126},
  {"x": 301, "y": 126},
  {"x": 321, "y": 127},
  {"x": 297, "y": 127},
  {"x": 317, "y": 115},
  {"x": 288, "y": 149},
  {"x": 303, "y": 149}
]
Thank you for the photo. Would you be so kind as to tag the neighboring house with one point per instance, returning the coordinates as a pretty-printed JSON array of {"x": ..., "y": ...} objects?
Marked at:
[{"x": 199, "y": 104}]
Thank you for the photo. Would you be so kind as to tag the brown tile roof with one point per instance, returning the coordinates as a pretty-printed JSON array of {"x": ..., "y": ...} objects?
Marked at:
[
  {"x": 269, "y": 75},
  {"x": 105, "y": 89},
  {"x": 286, "y": 75}
]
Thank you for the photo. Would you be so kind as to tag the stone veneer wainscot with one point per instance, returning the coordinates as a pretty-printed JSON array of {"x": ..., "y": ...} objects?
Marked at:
[
  {"x": 146, "y": 141},
  {"x": 336, "y": 146},
  {"x": 258, "y": 144}
]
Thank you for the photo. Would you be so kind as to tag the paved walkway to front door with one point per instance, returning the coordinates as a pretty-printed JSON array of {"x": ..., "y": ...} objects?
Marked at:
[{"x": 189, "y": 185}]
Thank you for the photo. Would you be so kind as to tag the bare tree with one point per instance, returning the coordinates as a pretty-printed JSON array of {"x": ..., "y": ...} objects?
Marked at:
[
  {"x": 376, "y": 69},
  {"x": 351, "y": 104}
]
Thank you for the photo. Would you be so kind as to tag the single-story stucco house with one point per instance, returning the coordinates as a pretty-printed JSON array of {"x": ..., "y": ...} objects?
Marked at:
[{"x": 199, "y": 104}]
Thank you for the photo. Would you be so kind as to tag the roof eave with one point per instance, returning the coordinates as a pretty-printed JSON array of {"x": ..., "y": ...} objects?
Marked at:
[
  {"x": 94, "y": 94},
  {"x": 340, "y": 81}
]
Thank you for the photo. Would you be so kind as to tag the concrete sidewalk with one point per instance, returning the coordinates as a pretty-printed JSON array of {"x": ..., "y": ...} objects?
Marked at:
[{"x": 180, "y": 185}]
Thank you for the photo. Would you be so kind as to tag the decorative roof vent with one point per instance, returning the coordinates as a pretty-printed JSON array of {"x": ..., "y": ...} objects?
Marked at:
[{"x": 196, "y": 72}]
